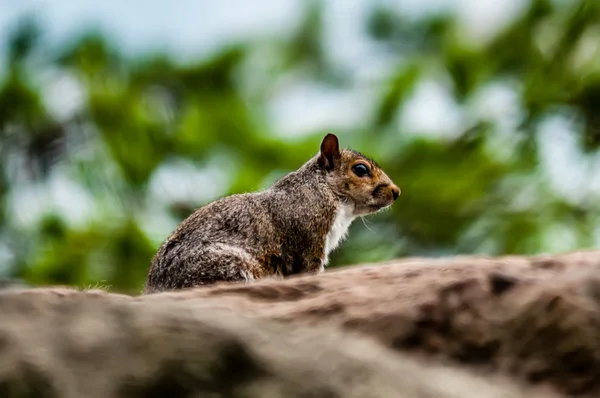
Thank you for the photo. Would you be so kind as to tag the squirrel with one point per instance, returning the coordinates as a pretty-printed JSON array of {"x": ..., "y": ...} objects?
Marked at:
[{"x": 289, "y": 228}]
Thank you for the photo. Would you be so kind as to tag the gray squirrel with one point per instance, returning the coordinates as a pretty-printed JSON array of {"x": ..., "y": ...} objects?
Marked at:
[{"x": 289, "y": 228}]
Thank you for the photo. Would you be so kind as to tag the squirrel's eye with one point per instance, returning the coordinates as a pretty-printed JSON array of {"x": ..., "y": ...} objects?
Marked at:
[{"x": 360, "y": 170}]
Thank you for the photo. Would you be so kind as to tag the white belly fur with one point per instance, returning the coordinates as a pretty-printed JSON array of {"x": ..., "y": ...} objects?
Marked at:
[{"x": 339, "y": 230}]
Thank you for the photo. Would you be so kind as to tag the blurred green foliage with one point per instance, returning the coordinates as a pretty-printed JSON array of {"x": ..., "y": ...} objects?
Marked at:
[{"x": 481, "y": 190}]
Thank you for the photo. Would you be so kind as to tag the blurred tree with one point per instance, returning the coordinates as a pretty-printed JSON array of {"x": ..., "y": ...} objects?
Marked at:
[{"x": 145, "y": 121}]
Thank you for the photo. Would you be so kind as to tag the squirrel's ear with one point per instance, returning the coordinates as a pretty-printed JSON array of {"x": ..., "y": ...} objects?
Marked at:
[{"x": 330, "y": 150}]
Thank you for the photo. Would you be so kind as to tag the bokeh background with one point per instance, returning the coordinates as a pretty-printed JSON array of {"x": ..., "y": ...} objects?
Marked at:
[{"x": 118, "y": 119}]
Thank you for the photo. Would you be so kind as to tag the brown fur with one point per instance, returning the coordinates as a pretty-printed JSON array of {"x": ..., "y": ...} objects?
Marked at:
[{"x": 280, "y": 231}]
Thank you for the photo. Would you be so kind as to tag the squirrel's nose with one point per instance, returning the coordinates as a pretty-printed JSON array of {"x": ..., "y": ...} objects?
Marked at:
[{"x": 395, "y": 191}]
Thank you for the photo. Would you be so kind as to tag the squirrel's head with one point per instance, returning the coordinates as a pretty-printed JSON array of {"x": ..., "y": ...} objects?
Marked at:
[{"x": 355, "y": 177}]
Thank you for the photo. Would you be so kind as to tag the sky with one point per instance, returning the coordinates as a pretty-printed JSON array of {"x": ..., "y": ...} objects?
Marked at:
[{"x": 195, "y": 28}]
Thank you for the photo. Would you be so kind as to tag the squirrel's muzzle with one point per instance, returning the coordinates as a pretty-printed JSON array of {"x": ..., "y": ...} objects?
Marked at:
[
  {"x": 395, "y": 191},
  {"x": 389, "y": 191}
]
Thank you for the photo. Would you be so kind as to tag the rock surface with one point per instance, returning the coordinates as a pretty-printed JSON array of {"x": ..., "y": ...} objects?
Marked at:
[
  {"x": 78, "y": 344},
  {"x": 460, "y": 327}
]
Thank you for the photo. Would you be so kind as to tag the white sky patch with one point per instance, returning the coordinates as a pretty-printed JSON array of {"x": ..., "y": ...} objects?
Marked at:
[
  {"x": 499, "y": 103},
  {"x": 422, "y": 8},
  {"x": 27, "y": 202},
  {"x": 70, "y": 200},
  {"x": 561, "y": 160},
  {"x": 345, "y": 32},
  {"x": 156, "y": 223},
  {"x": 63, "y": 95},
  {"x": 349, "y": 47},
  {"x": 587, "y": 51},
  {"x": 305, "y": 107},
  {"x": 182, "y": 181},
  {"x": 483, "y": 19},
  {"x": 186, "y": 26},
  {"x": 560, "y": 238},
  {"x": 432, "y": 111}
]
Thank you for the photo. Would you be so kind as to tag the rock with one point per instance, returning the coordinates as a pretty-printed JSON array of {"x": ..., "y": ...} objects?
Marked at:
[
  {"x": 535, "y": 319},
  {"x": 64, "y": 343},
  {"x": 464, "y": 327}
]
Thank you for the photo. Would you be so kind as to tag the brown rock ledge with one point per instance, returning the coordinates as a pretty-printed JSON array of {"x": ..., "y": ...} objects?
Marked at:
[
  {"x": 535, "y": 320},
  {"x": 71, "y": 344}
]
